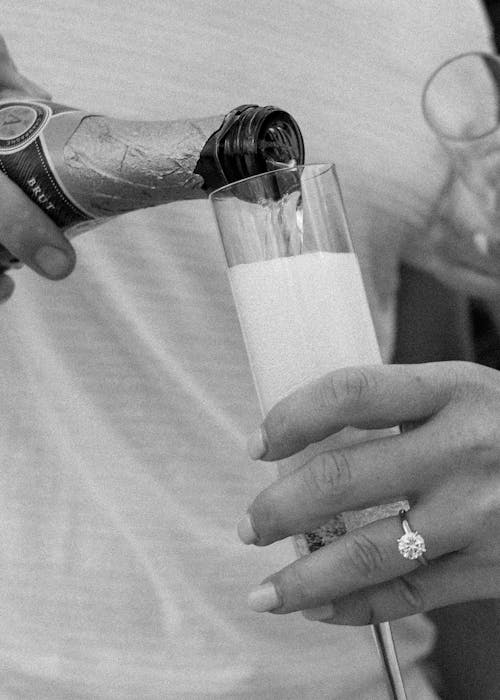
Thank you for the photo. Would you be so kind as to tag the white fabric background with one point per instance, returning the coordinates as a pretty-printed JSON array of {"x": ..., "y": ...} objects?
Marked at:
[{"x": 126, "y": 395}]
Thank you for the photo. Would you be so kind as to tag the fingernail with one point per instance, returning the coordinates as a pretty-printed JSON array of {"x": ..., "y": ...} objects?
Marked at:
[
  {"x": 324, "y": 612},
  {"x": 256, "y": 445},
  {"x": 53, "y": 261},
  {"x": 246, "y": 533},
  {"x": 263, "y": 598}
]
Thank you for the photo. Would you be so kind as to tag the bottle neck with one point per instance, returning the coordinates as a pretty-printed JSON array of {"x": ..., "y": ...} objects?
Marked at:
[
  {"x": 80, "y": 167},
  {"x": 251, "y": 140}
]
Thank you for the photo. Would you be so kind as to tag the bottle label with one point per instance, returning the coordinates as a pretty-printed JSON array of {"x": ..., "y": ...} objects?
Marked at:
[{"x": 25, "y": 159}]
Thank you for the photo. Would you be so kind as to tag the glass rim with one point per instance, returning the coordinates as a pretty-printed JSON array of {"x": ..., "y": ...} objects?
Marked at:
[
  {"x": 432, "y": 122},
  {"x": 327, "y": 166}
]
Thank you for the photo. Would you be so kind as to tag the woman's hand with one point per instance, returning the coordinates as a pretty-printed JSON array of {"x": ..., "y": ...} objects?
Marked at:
[
  {"x": 446, "y": 462},
  {"x": 27, "y": 235}
]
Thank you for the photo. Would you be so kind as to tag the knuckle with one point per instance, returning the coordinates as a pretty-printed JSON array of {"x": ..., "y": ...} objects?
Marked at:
[
  {"x": 492, "y": 508},
  {"x": 469, "y": 380},
  {"x": 359, "y": 382},
  {"x": 453, "y": 379},
  {"x": 475, "y": 391},
  {"x": 346, "y": 386},
  {"x": 293, "y": 585},
  {"x": 329, "y": 390},
  {"x": 459, "y": 371},
  {"x": 409, "y": 595},
  {"x": 328, "y": 474},
  {"x": 265, "y": 519},
  {"x": 480, "y": 443},
  {"x": 283, "y": 424},
  {"x": 364, "y": 555},
  {"x": 487, "y": 507},
  {"x": 486, "y": 436},
  {"x": 295, "y": 588}
]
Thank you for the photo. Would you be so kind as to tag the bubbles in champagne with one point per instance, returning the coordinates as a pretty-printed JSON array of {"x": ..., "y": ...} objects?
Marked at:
[{"x": 284, "y": 225}]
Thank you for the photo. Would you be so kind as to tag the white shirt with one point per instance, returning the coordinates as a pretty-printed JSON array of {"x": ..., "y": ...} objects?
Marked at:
[{"x": 126, "y": 392}]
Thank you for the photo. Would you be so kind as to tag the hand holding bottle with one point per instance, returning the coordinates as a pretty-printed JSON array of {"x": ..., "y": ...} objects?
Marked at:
[
  {"x": 81, "y": 168},
  {"x": 27, "y": 235}
]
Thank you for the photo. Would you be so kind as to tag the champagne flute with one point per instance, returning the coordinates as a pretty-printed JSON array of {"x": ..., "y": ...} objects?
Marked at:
[
  {"x": 461, "y": 105},
  {"x": 303, "y": 312}
]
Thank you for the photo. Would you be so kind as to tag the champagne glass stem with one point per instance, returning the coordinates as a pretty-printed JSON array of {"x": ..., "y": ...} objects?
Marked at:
[{"x": 384, "y": 642}]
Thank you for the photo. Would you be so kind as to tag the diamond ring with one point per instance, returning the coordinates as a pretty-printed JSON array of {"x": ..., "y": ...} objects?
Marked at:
[{"x": 411, "y": 545}]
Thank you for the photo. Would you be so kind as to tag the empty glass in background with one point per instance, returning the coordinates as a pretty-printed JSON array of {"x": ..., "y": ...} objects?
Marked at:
[
  {"x": 461, "y": 104},
  {"x": 303, "y": 312}
]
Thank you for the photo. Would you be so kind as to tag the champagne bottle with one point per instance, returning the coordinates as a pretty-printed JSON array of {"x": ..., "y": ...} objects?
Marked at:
[{"x": 82, "y": 168}]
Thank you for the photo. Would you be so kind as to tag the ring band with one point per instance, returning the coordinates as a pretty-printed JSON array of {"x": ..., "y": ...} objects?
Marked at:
[{"x": 411, "y": 545}]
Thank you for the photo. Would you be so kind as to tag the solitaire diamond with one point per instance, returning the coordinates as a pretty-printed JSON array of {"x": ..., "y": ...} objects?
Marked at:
[{"x": 411, "y": 545}]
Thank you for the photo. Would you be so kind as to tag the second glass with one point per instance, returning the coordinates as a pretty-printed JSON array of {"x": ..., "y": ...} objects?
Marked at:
[{"x": 461, "y": 104}]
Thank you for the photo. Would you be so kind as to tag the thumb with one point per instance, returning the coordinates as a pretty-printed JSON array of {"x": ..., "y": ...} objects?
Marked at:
[{"x": 31, "y": 236}]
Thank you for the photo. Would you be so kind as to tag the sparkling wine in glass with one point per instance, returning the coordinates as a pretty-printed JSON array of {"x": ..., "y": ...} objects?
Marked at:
[{"x": 303, "y": 312}]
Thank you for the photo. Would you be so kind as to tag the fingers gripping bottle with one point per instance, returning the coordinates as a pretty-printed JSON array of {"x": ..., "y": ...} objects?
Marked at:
[{"x": 82, "y": 168}]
